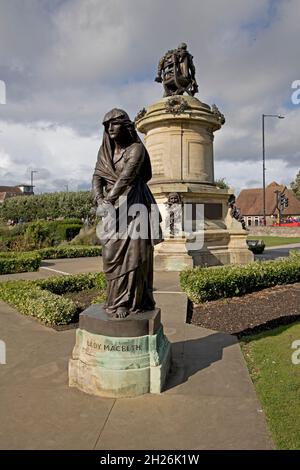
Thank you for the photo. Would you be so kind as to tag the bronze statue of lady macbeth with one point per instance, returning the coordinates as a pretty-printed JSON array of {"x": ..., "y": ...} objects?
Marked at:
[{"x": 122, "y": 171}]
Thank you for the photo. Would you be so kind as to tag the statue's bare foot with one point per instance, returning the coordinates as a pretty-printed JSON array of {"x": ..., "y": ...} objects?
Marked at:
[{"x": 121, "y": 313}]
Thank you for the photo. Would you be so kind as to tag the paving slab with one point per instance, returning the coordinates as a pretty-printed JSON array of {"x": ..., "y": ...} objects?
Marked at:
[
  {"x": 185, "y": 421},
  {"x": 38, "y": 409}
]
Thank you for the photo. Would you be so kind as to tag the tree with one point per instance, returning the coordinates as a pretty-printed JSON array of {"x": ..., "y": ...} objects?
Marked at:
[
  {"x": 222, "y": 183},
  {"x": 45, "y": 206},
  {"x": 295, "y": 185}
]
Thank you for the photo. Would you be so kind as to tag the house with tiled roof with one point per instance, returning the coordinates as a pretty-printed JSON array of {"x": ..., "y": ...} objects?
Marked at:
[
  {"x": 250, "y": 203},
  {"x": 11, "y": 191}
]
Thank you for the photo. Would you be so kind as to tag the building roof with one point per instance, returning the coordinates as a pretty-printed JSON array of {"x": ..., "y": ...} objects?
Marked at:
[
  {"x": 250, "y": 201},
  {"x": 11, "y": 189}
]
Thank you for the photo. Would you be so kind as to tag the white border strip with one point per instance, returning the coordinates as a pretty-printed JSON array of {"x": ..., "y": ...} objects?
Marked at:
[{"x": 56, "y": 271}]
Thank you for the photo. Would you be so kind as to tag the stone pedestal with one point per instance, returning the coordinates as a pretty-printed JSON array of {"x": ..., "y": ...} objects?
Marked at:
[
  {"x": 179, "y": 134},
  {"x": 119, "y": 357}
]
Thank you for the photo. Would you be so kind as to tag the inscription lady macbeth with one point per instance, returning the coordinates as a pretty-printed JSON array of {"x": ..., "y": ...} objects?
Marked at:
[{"x": 114, "y": 347}]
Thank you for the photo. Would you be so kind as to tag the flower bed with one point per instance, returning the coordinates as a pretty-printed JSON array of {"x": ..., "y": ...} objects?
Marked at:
[{"x": 42, "y": 299}]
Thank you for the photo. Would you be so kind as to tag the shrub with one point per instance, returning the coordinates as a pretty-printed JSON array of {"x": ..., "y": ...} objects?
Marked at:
[
  {"x": 87, "y": 236},
  {"x": 54, "y": 205},
  {"x": 48, "y": 233},
  {"x": 203, "y": 284},
  {"x": 69, "y": 251},
  {"x": 43, "y": 233},
  {"x": 73, "y": 283},
  {"x": 31, "y": 300},
  {"x": 70, "y": 231},
  {"x": 42, "y": 298},
  {"x": 37, "y": 233},
  {"x": 12, "y": 262}
]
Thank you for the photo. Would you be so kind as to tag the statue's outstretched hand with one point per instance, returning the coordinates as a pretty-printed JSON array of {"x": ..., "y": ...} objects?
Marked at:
[{"x": 158, "y": 79}]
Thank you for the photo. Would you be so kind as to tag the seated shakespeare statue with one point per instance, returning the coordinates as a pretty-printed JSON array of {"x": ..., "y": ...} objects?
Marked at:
[
  {"x": 176, "y": 71},
  {"x": 120, "y": 179}
]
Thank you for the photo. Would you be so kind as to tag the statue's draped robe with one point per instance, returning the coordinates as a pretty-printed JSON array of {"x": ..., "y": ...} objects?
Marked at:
[{"x": 127, "y": 262}]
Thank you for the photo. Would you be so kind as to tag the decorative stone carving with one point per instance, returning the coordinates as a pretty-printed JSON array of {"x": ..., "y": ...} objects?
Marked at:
[
  {"x": 174, "y": 214},
  {"x": 235, "y": 212},
  {"x": 215, "y": 110},
  {"x": 176, "y": 105},
  {"x": 140, "y": 114}
]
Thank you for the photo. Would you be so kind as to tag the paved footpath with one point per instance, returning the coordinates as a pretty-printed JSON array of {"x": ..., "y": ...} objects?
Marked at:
[{"x": 209, "y": 403}]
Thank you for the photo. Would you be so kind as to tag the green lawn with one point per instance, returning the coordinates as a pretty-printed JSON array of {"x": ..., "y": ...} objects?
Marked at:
[
  {"x": 277, "y": 381},
  {"x": 274, "y": 241}
]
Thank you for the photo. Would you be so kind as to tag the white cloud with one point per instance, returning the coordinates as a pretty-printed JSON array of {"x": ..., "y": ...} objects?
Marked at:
[
  {"x": 59, "y": 155},
  {"x": 66, "y": 62}
]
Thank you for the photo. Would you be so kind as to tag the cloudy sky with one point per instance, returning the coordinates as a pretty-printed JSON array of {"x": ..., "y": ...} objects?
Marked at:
[{"x": 67, "y": 62}]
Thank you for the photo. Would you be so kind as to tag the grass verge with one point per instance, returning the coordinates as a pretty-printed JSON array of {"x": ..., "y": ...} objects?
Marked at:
[
  {"x": 277, "y": 381},
  {"x": 275, "y": 241}
]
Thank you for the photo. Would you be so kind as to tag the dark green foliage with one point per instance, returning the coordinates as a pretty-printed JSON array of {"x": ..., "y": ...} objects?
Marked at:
[
  {"x": 203, "y": 284},
  {"x": 11, "y": 262},
  {"x": 70, "y": 251},
  {"x": 73, "y": 283},
  {"x": 222, "y": 183},
  {"x": 42, "y": 298},
  {"x": 295, "y": 185},
  {"x": 39, "y": 234},
  {"x": 31, "y": 300}
]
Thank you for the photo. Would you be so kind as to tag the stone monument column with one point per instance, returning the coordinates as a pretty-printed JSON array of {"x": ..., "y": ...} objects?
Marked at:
[
  {"x": 179, "y": 137},
  {"x": 179, "y": 134}
]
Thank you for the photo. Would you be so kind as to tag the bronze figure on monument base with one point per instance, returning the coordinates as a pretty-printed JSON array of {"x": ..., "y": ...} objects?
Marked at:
[{"x": 120, "y": 179}]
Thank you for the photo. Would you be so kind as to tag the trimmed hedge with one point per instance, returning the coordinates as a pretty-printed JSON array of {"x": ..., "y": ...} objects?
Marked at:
[
  {"x": 12, "y": 262},
  {"x": 203, "y": 284},
  {"x": 73, "y": 283},
  {"x": 31, "y": 300},
  {"x": 40, "y": 298},
  {"x": 69, "y": 251}
]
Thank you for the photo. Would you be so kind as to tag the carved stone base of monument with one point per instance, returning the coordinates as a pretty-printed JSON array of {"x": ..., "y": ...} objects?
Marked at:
[
  {"x": 172, "y": 255},
  {"x": 119, "y": 357},
  {"x": 179, "y": 134}
]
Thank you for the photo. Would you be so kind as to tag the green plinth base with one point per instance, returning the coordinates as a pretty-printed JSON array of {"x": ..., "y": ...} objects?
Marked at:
[{"x": 119, "y": 366}]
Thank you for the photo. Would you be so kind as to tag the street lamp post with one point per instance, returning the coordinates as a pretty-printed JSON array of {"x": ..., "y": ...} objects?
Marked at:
[
  {"x": 31, "y": 178},
  {"x": 264, "y": 159}
]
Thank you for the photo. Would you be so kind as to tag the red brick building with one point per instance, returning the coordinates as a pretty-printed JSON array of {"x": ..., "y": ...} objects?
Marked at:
[
  {"x": 10, "y": 191},
  {"x": 250, "y": 203}
]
